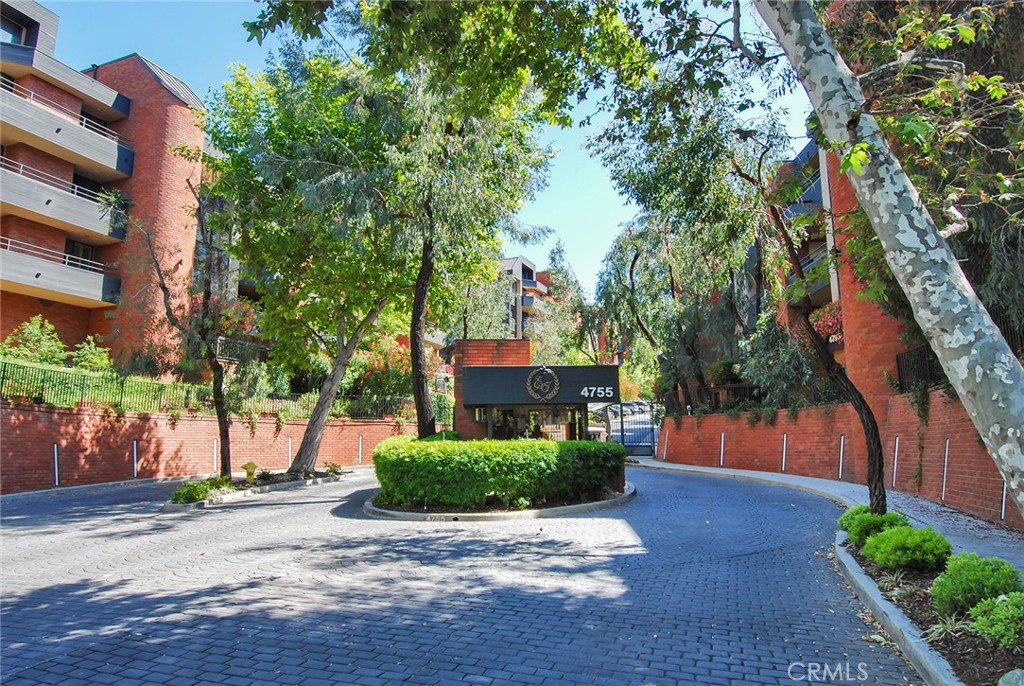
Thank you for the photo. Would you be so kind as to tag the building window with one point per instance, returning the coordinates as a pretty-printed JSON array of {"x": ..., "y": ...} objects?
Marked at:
[
  {"x": 81, "y": 251},
  {"x": 11, "y": 31}
]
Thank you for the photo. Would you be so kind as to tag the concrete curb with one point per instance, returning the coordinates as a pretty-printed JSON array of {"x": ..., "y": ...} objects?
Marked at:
[
  {"x": 235, "y": 496},
  {"x": 932, "y": 667},
  {"x": 370, "y": 509},
  {"x": 126, "y": 483}
]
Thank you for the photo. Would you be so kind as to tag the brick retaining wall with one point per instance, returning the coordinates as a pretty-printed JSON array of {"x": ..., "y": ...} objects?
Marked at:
[
  {"x": 95, "y": 446},
  {"x": 813, "y": 439}
]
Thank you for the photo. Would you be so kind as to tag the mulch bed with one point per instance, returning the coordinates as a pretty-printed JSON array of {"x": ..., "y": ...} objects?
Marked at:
[
  {"x": 976, "y": 661},
  {"x": 276, "y": 478}
]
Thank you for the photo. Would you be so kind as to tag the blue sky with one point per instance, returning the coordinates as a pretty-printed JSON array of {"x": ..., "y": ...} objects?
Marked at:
[{"x": 197, "y": 40}]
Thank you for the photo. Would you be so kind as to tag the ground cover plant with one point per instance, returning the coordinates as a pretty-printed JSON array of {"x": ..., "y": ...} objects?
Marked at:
[{"x": 476, "y": 475}]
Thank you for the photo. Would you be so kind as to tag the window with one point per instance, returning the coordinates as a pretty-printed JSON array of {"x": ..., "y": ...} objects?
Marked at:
[
  {"x": 78, "y": 251},
  {"x": 11, "y": 31}
]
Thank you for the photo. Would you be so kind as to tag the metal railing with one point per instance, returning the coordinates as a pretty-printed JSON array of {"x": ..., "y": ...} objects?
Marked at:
[
  {"x": 235, "y": 350},
  {"x": 22, "y": 383},
  {"x": 812, "y": 260},
  {"x": 54, "y": 256},
  {"x": 82, "y": 120},
  {"x": 728, "y": 396},
  {"x": 49, "y": 179}
]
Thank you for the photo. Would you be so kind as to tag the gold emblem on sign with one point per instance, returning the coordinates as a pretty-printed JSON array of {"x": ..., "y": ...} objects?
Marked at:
[{"x": 542, "y": 384}]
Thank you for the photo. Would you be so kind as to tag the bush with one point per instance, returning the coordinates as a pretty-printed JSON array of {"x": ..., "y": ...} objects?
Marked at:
[
  {"x": 194, "y": 491},
  {"x": 905, "y": 547},
  {"x": 443, "y": 436},
  {"x": 88, "y": 355},
  {"x": 863, "y": 526},
  {"x": 969, "y": 579},
  {"x": 844, "y": 519},
  {"x": 35, "y": 341},
  {"x": 1001, "y": 620},
  {"x": 463, "y": 474}
]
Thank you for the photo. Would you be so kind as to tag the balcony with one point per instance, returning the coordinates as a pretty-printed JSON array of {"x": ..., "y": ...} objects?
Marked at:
[
  {"x": 528, "y": 303},
  {"x": 534, "y": 285},
  {"x": 19, "y": 60},
  {"x": 41, "y": 197},
  {"x": 43, "y": 273},
  {"x": 46, "y": 125}
]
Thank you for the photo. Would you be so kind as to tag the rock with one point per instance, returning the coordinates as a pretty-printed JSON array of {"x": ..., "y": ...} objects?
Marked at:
[{"x": 1014, "y": 678}]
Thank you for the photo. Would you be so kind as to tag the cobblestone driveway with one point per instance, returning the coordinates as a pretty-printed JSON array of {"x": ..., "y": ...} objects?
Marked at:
[{"x": 697, "y": 581}]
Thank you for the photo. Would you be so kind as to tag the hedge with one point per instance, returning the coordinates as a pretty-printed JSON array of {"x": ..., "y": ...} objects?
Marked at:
[{"x": 522, "y": 473}]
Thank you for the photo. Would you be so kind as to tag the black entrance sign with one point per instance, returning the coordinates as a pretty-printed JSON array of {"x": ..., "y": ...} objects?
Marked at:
[{"x": 539, "y": 385}]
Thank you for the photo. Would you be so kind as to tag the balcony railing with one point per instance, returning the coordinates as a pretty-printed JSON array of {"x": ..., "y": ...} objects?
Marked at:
[
  {"x": 54, "y": 256},
  {"x": 12, "y": 86},
  {"x": 49, "y": 179}
]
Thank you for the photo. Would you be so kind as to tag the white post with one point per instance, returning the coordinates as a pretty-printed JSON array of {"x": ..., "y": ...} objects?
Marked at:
[
  {"x": 290, "y": 454},
  {"x": 895, "y": 461},
  {"x": 721, "y": 455},
  {"x": 216, "y": 467},
  {"x": 842, "y": 448},
  {"x": 785, "y": 443},
  {"x": 360, "y": 444},
  {"x": 135, "y": 459},
  {"x": 56, "y": 467},
  {"x": 664, "y": 450},
  {"x": 1002, "y": 509},
  {"x": 945, "y": 467}
]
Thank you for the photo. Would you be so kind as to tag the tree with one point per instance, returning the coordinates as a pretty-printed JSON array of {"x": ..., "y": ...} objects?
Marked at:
[
  {"x": 987, "y": 377},
  {"x": 304, "y": 164}
]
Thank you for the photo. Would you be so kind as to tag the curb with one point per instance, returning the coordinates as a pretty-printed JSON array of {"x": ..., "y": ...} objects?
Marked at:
[
  {"x": 932, "y": 667},
  {"x": 235, "y": 496},
  {"x": 370, "y": 509},
  {"x": 54, "y": 491}
]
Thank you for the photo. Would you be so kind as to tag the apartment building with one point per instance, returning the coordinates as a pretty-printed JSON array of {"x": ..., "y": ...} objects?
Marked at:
[
  {"x": 529, "y": 288},
  {"x": 65, "y": 137}
]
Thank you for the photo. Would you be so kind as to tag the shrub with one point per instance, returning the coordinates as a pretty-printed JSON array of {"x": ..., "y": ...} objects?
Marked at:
[
  {"x": 192, "y": 492},
  {"x": 443, "y": 436},
  {"x": 863, "y": 526},
  {"x": 844, "y": 519},
  {"x": 36, "y": 341},
  {"x": 905, "y": 547},
  {"x": 88, "y": 355},
  {"x": 462, "y": 474},
  {"x": 1001, "y": 620},
  {"x": 969, "y": 579}
]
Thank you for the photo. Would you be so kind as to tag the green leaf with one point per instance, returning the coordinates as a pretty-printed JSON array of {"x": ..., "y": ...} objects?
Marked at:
[{"x": 855, "y": 159}]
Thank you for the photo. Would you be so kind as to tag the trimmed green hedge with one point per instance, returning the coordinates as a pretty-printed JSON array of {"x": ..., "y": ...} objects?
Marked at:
[{"x": 524, "y": 473}]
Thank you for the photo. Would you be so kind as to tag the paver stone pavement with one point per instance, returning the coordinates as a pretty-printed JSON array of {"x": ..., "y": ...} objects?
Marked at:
[{"x": 698, "y": 580}]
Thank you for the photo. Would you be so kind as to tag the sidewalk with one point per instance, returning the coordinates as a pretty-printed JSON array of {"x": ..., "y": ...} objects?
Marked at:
[{"x": 964, "y": 532}]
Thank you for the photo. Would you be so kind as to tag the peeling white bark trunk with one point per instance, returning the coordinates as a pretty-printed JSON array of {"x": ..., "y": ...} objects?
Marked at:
[{"x": 974, "y": 355}]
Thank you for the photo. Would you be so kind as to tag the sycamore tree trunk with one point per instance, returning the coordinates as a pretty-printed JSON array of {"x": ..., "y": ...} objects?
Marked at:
[
  {"x": 426, "y": 423},
  {"x": 976, "y": 358}
]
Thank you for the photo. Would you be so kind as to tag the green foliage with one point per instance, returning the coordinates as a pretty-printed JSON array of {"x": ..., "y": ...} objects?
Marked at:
[
  {"x": 88, "y": 355},
  {"x": 969, "y": 579},
  {"x": 443, "y": 436},
  {"x": 904, "y": 547},
  {"x": 847, "y": 517},
  {"x": 862, "y": 526},
  {"x": 775, "y": 363},
  {"x": 194, "y": 491},
  {"x": 264, "y": 475},
  {"x": 462, "y": 474},
  {"x": 35, "y": 341},
  {"x": 1001, "y": 620},
  {"x": 333, "y": 468}
]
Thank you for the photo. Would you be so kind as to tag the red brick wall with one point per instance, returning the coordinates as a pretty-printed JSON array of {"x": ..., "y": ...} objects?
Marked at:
[
  {"x": 48, "y": 90},
  {"x": 96, "y": 446},
  {"x": 32, "y": 232},
  {"x": 973, "y": 484},
  {"x": 160, "y": 199},
  {"x": 482, "y": 353},
  {"x": 72, "y": 323},
  {"x": 37, "y": 159}
]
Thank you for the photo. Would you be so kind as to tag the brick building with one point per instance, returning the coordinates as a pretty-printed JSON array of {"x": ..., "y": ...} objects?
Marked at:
[{"x": 66, "y": 137}]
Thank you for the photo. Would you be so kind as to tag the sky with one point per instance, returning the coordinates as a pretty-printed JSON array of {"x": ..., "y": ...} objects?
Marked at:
[{"x": 196, "y": 40}]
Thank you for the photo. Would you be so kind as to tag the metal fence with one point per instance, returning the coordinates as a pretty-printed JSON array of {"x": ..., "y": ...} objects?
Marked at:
[
  {"x": 743, "y": 396},
  {"x": 28, "y": 384},
  {"x": 918, "y": 366}
]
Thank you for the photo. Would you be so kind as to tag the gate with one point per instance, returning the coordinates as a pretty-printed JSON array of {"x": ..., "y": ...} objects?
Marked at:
[{"x": 635, "y": 425}]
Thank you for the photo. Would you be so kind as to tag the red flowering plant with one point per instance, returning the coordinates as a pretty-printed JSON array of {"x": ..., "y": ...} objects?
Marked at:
[{"x": 828, "y": 322}]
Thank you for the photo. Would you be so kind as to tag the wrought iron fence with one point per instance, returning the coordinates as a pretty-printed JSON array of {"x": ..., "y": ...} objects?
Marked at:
[
  {"x": 918, "y": 366},
  {"x": 721, "y": 398},
  {"x": 29, "y": 384}
]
